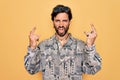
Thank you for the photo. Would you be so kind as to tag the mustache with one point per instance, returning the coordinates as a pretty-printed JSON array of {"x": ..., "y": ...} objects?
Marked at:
[{"x": 61, "y": 27}]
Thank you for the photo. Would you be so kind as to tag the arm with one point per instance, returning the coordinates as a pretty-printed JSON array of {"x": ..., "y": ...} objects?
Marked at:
[
  {"x": 32, "y": 61},
  {"x": 91, "y": 60}
]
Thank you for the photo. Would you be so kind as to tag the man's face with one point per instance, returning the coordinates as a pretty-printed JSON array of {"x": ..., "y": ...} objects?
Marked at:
[{"x": 61, "y": 24}]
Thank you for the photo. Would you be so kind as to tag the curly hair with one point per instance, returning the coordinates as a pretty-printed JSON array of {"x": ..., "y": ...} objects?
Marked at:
[{"x": 61, "y": 9}]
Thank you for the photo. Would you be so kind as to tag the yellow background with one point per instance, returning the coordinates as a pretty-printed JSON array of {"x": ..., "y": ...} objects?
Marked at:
[{"x": 18, "y": 17}]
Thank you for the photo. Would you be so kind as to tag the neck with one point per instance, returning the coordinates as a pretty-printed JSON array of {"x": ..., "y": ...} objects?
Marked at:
[{"x": 65, "y": 37}]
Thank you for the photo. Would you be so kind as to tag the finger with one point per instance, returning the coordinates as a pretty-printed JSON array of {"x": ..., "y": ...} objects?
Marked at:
[
  {"x": 93, "y": 28},
  {"x": 86, "y": 33},
  {"x": 33, "y": 30}
]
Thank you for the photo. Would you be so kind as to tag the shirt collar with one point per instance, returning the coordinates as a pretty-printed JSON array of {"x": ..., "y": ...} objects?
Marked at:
[
  {"x": 54, "y": 37},
  {"x": 71, "y": 38}
]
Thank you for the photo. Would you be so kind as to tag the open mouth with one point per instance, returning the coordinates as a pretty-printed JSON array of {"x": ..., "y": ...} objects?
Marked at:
[{"x": 61, "y": 29}]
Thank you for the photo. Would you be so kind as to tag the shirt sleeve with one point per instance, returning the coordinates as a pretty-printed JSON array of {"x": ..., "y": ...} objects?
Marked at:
[
  {"x": 91, "y": 60},
  {"x": 32, "y": 60}
]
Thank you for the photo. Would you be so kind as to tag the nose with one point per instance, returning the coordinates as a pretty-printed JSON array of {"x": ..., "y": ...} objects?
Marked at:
[{"x": 61, "y": 23}]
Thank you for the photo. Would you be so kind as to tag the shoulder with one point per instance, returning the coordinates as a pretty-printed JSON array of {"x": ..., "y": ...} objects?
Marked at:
[
  {"x": 45, "y": 42},
  {"x": 79, "y": 43}
]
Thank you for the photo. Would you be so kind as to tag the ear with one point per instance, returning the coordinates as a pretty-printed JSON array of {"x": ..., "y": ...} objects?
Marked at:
[{"x": 70, "y": 22}]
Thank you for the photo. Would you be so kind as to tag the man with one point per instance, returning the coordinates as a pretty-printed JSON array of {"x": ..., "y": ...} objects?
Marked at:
[{"x": 62, "y": 57}]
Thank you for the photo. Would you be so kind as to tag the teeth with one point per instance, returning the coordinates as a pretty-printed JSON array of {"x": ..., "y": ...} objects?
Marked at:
[{"x": 61, "y": 28}]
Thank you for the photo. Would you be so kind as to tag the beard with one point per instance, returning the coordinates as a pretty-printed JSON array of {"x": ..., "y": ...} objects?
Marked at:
[{"x": 64, "y": 30}]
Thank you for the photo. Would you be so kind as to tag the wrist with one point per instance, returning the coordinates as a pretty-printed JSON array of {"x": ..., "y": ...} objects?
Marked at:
[
  {"x": 32, "y": 47},
  {"x": 90, "y": 47},
  {"x": 32, "y": 50},
  {"x": 90, "y": 44}
]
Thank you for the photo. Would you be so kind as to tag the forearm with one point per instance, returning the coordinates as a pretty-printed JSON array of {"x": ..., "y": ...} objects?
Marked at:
[
  {"x": 32, "y": 61},
  {"x": 92, "y": 60}
]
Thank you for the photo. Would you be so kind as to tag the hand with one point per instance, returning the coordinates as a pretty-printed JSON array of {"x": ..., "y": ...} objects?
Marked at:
[
  {"x": 33, "y": 38},
  {"x": 91, "y": 36}
]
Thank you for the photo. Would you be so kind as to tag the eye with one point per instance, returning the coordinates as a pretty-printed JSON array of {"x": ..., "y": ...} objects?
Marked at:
[
  {"x": 65, "y": 20},
  {"x": 57, "y": 20}
]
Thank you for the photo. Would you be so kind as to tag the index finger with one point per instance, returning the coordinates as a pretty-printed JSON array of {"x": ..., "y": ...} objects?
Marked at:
[{"x": 33, "y": 30}]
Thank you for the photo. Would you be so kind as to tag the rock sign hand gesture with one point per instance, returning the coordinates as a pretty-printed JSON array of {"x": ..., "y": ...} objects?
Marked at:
[
  {"x": 33, "y": 38},
  {"x": 91, "y": 36}
]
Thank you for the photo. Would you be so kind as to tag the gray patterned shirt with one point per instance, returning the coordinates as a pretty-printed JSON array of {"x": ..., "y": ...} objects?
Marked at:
[{"x": 67, "y": 62}]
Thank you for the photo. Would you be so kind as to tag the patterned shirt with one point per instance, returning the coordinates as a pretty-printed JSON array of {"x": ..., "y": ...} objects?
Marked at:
[{"x": 67, "y": 62}]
